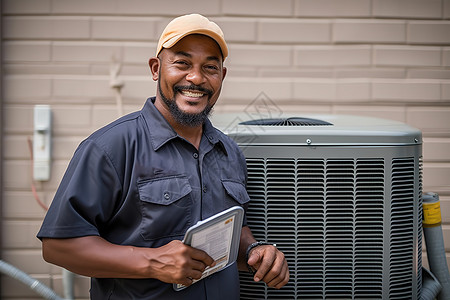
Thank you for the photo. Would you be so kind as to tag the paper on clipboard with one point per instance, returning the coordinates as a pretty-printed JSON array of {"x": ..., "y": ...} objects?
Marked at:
[{"x": 219, "y": 236}]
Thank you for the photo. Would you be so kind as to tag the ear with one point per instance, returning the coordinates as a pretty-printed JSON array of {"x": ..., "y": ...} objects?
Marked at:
[
  {"x": 224, "y": 73},
  {"x": 154, "y": 64}
]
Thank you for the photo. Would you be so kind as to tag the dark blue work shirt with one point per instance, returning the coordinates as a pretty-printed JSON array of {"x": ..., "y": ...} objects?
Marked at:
[{"x": 136, "y": 182}]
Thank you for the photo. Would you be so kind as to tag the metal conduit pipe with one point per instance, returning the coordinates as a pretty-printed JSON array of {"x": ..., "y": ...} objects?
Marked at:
[
  {"x": 430, "y": 286},
  {"x": 432, "y": 230},
  {"x": 29, "y": 281}
]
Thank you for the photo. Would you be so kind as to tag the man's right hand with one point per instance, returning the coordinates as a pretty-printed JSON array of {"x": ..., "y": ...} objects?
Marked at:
[
  {"x": 93, "y": 256},
  {"x": 176, "y": 262}
]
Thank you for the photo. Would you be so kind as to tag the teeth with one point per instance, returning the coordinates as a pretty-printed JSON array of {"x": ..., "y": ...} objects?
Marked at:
[{"x": 192, "y": 94}]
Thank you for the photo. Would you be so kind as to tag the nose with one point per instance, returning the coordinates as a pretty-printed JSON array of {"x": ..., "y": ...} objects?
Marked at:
[{"x": 195, "y": 76}]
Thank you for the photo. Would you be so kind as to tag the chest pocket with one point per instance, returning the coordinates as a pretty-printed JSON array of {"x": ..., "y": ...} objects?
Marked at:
[
  {"x": 165, "y": 207},
  {"x": 236, "y": 191}
]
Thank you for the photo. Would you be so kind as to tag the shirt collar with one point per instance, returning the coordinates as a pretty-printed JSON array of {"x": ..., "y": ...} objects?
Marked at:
[{"x": 161, "y": 132}]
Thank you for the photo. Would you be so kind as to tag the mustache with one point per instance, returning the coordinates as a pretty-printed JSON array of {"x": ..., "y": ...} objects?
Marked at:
[{"x": 179, "y": 88}]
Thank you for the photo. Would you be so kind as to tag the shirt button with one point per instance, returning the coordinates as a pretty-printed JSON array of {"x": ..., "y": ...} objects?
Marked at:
[
  {"x": 204, "y": 189},
  {"x": 195, "y": 155},
  {"x": 166, "y": 195}
]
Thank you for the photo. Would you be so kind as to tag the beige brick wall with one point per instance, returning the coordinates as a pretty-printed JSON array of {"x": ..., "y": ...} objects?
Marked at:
[{"x": 382, "y": 58}]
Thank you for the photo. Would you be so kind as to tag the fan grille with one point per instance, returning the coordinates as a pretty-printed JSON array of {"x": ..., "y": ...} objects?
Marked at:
[
  {"x": 295, "y": 121},
  {"x": 328, "y": 217}
]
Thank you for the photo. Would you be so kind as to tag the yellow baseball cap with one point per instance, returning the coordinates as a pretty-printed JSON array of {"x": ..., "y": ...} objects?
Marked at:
[{"x": 185, "y": 25}]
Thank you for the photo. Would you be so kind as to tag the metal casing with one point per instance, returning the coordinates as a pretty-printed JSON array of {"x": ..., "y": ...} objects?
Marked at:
[{"x": 342, "y": 201}]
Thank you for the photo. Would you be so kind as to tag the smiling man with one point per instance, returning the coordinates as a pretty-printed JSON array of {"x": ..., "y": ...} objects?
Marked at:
[{"x": 134, "y": 187}]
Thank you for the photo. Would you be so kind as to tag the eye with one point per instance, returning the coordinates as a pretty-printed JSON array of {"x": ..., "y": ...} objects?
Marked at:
[
  {"x": 181, "y": 63},
  {"x": 212, "y": 68}
]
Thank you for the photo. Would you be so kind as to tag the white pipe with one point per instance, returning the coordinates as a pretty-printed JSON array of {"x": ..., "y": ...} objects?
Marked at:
[{"x": 68, "y": 279}]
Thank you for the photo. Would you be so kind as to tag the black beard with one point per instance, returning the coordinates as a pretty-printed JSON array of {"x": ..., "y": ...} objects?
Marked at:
[{"x": 186, "y": 119}]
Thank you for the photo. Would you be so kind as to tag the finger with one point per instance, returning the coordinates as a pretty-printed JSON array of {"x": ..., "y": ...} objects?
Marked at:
[
  {"x": 187, "y": 281},
  {"x": 266, "y": 260},
  {"x": 276, "y": 269},
  {"x": 198, "y": 265},
  {"x": 282, "y": 279},
  {"x": 195, "y": 274},
  {"x": 202, "y": 256}
]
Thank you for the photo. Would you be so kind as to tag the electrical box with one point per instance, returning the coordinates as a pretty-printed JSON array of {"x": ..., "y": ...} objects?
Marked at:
[{"x": 42, "y": 142}]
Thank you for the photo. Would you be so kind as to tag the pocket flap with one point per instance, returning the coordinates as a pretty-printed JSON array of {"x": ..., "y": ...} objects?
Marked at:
[
  {"x": 164, "y": 191},
  {"x": 236, "y": 190}
]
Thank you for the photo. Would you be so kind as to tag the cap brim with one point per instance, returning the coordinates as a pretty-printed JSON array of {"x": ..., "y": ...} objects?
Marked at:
[{"x": 219, "y": 40}]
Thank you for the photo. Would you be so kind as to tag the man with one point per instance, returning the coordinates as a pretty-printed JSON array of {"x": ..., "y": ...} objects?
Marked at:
[{"x": 134, "y": 187}]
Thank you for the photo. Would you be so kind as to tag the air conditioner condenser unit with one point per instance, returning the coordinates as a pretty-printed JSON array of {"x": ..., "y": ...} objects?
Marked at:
[{"x": 341, "y": 196}]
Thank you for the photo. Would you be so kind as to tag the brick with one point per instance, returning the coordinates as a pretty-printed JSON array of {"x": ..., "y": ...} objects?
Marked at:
[
  {"x": 36, "y": 89},
  {"x": 294, "y": 31},
  {"x": 46, "y": 69},
  {"x": 407, "y": 8},
  {"x": 108, "y": 28},
  {"x": 311, "y": 56},
  {"x": 63, "y": 147},
  {"x": 20, "y": 234},
  {"x": 369, "y": 73},
  {"x": 446, "y": 10},
  {"x": 18, "y": 175},
  {"x": 296, "y": 73},
  {"x": 16, "y": 146},
  {"x": 436, "y": 175},
  {"x": 18, "y": 119},
  {"x": 315, "y": 90},
  {"x": 46, "y": 27},
  {"x": 446, "y": 56},
  {"x": 26, "y": 6},
  {"x": 86, "y": 87},
  {"x": 141, "y": 69},
  {"x": 85, "y": 7},
  {"x": 135, "y": 7},
  {"x": 259, "y": 55},
  {"x": 430, "y": 119},
  {"x": 71, "y": 116},
  {"x": 369, "y": 31},
  {"x": 138, "y": 52},
  {"x": 407, "y": 56},
  {"x": 246, "y": 90},
  {"x": 238, "y": 30},
  {"x": 445, "y": 91},
  {"x": 330, "y": 8},
  {"x": 436, "y": 149},
  {"x": 26, "y": 51},
  {"x": 429, "y": 74},
  {"x": 238, "y": 71},
  {"x": 22, "y": 205},
  {"x": 139, "y": 88},
  {"x": 85, "y": 51},
  {"x": 103, "y": 115},
  {"x": 406, "y": 91},
  {"x": 445, "y": 209},
  {"x": 395, "y": 113},
  {"x": 353, "y": 90},
  {"x": 425, "y": 32},
  {"x": 283, "y": 8}
]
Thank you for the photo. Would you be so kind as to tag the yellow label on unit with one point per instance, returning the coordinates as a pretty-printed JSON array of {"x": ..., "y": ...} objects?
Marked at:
[{"x": 432, "y": 214}]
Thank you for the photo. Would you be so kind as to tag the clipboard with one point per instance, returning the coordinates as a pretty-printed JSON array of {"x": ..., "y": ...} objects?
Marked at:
[{"x": 223, "y": 231}]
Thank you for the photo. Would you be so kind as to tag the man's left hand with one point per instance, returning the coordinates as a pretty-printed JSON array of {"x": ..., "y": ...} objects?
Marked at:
[{"x": 270, "y": 264}]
